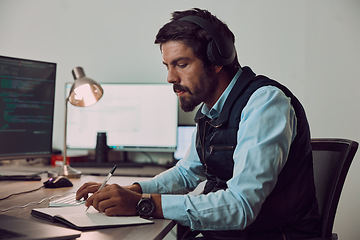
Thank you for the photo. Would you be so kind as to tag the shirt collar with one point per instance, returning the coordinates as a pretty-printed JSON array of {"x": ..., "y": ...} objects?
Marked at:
[{"x": 216, "y": 109}]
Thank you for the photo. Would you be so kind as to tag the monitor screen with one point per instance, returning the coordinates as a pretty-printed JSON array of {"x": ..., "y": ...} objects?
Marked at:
[
  {"x": 185, "y": 133},
  {"x": 135, "y": 117},
  {"x": 27, "y": 90}
]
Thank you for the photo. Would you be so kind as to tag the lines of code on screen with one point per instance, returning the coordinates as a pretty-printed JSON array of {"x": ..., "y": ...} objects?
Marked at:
[{"x": 27, "y": 90}]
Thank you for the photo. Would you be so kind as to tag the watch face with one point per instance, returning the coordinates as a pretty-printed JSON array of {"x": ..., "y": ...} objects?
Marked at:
[{"x": 145, "y": 207}]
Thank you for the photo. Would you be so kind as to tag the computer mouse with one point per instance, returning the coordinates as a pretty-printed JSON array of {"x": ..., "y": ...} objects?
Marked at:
[{"x": 58, "y": 182}]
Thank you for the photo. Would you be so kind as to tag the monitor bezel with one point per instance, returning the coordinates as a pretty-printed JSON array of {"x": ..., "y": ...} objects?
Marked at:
[{"x": 34, "y": 155}]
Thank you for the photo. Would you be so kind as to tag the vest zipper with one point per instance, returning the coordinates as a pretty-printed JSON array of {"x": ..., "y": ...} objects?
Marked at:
[
  {"x": 213, "y": 148},
  {"x": 214, "y": 126},
  {"x": 203, "y": 141},
  {"x": 203, "y": 146}
]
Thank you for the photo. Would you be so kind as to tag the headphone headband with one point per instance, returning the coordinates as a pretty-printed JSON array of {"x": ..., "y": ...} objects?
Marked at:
[{"x": 220, "y": 50}]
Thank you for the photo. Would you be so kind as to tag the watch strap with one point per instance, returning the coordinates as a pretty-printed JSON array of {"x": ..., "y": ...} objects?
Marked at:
[{"x": 146, "y": 195}]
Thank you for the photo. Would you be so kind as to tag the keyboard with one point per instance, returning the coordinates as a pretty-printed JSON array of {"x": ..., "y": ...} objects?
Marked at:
[{"x": 65, "y": 201}]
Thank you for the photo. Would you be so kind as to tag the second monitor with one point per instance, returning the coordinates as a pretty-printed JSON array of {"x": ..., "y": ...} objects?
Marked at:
[{"x": 135, "y": 117}]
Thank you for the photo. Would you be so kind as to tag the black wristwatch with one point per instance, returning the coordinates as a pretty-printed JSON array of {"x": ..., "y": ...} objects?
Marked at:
[{"x": 145, "y": 206}]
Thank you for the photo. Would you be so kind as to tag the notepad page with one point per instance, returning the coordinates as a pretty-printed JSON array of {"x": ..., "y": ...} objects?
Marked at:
[{"x": 78, "y": 216}]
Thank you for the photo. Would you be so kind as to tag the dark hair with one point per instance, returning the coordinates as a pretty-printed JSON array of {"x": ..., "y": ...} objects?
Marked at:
[{"x": 195, "y": 36}]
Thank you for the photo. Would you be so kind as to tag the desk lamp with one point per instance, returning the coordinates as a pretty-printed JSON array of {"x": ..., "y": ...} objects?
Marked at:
[{"x": 83, "y": 93}]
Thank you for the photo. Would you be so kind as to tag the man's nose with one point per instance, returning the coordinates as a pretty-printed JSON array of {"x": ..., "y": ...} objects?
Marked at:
[{"x": 172, "y": 76}]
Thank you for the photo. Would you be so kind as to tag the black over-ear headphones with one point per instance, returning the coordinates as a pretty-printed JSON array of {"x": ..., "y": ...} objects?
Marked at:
[{"x": 220, "y": 50}]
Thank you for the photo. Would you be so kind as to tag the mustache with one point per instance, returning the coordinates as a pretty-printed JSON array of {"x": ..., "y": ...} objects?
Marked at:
[{"x": 178, "y": 87}]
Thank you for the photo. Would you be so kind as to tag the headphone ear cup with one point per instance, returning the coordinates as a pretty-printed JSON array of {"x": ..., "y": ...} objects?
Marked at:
[
  {"x": 213, "y": 53},
  {"x": 220, "y": 50},
  {"x": 216, "y": 57}
]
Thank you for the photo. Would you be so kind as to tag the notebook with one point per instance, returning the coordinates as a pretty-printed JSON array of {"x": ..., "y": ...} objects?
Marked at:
[
  {"x": 78, "y": 218},
  {"x": 21, "y": 229}
]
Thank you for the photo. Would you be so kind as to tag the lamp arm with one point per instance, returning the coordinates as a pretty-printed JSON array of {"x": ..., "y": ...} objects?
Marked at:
[
  {"x": 66, "y": 170},
  {"x": 65, "y": 132}
]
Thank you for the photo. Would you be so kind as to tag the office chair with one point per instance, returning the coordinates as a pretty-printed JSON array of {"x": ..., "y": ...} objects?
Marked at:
[{"x": 332, "y": 159}]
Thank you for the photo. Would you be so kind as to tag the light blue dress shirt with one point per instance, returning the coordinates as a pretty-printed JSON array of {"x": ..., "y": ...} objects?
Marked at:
[{"x": 266, "y": 130}]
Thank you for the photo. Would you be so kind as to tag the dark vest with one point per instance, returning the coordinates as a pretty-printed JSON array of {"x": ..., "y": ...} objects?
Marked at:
[{"x": 291, "y": 208}]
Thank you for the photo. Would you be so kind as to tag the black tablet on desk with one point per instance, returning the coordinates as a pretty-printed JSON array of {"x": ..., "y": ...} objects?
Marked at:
[
  {"x": 20, "y": 177},
  {"x": 9, "y": 229}
]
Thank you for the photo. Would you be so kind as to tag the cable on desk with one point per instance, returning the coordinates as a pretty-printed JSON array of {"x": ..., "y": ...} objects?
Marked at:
[
  {"x": 13, "y": 194},
  {"x": 149, "y": 156},
  {"x": 24, "y": 206},
  {"x": 30, "y": 203}
]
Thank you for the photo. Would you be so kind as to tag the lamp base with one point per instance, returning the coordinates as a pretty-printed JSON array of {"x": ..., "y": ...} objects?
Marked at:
[{"x": 69, "y": 172}]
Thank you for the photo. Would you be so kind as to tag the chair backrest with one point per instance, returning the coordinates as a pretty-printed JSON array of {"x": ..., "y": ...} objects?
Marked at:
[{"x": 332, "y": 159}]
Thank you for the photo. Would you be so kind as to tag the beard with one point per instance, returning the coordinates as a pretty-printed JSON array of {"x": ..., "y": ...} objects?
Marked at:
[{"x": 203, "y": 91}]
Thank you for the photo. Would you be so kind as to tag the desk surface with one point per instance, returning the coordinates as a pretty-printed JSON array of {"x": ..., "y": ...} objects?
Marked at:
[
  {"x": 158, "y": 230},
  {"x": 139, "y": 171}
]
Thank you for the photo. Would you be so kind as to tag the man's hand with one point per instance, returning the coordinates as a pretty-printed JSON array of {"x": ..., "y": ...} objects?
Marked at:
[
  {"x": 116, "y": 200},
  {"x": 92, "y": 187},
  {"x": 112, "y": 199},
  {"x": 85, "y": 189}
]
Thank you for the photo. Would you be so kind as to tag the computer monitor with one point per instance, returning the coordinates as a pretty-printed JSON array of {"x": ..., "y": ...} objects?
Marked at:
[
  {"x": 27, "y": 90},
  {"x": 185, "y": 133},
  {"x": 135, "y": 117}
]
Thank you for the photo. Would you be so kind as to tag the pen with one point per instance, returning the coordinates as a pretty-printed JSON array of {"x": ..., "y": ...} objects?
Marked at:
[{"x": 105, "y": 181}]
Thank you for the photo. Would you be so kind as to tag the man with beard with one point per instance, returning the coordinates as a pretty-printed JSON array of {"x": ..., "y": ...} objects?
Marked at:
[{"x": 252, "y": 146}]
